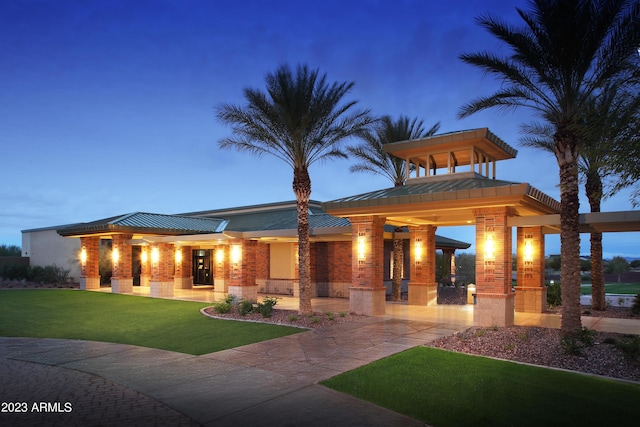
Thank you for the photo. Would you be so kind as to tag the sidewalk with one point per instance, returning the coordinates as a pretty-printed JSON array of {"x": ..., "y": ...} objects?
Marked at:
[{"x": 272, "y": 383}]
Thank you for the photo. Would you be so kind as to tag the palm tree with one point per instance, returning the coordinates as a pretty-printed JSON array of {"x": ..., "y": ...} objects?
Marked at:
[
  {"x": 607, "y": 120},
  {"x": 373, "y": 159},
  {"x": 563, "y": 56},
  {"x": 301, "y": 119}
]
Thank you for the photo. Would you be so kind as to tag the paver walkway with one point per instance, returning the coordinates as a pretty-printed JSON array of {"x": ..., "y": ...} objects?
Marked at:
[{"x": 272, "y": 383}]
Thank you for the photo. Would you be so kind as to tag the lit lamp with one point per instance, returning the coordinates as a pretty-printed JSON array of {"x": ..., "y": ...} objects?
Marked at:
[
  {"x": 528, "y": 250},
  {"x": 236, "y": 254},
  {"x": 115, "y": 255},
  {"x": 489, "y": 248},
  {"x": 83, "y": 256},
  {"x": 178, "y": 255},
  {"x": 220, "y": 256},
  {"x": 361, "y": 247},
  {"x": 155, "y": 255},
  {"x": 143, "y": 256},
  {"x": 418, "y": 250}
]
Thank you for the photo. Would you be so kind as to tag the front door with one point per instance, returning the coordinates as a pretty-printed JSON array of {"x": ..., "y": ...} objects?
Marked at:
[{"x": 202, "y": 274}]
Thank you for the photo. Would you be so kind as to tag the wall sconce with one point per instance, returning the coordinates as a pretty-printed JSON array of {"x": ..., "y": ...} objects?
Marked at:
[
  {"x": 489, "y": 247},
  {"x": 528, "y": 250},
  {"x": 418, "y": 250},
  {"x": 178, "y": 255},
  {"x": 220, "y": 256},
  {"x": 83, "y": 256},
  {"x": 236, "y": 254},
  {"x": 144, "y": 256},
  {"x": 115, "y": 255},
  {"x": 361, "y": 247},
  {"x": 155, "y": 255}
]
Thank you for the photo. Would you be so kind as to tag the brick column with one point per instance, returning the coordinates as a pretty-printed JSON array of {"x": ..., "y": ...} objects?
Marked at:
[
  {"x": 221, "y": 268},
  {"x": 162, "y": 258},
  {"x": 183, "y": 277},
  {"x": 531, "y": 292},
  {"x": 367, "y": 293},
  {"x": 242, "y": 273},
  {"x": 121, "y": 279},
  {"x": 495, "y": 300},
  {"x": 423, "y": 288},
  {"x": 90, "y": 263}
]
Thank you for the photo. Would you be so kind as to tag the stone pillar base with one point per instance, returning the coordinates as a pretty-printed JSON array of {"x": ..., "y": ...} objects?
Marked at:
[
  {"x": 248, "y": 293},
  {"x": 494, "y": 310},
  {"x": 220, "y": 285},
  {"x": 161, "y": 289},
  {"x": 531, "y": 300},
  {"x": 145, "y": 280},
  {"x": 87, "y": 283},
  {"x": 183, "y": 282},
  {"x": 367, "y": 301},
  {"x": 121, "y": 286},
  {"x": 425, "y": 294}
]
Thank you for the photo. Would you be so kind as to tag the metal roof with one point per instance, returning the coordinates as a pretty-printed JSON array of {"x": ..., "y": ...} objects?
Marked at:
[{"x": 142, "y": 222}]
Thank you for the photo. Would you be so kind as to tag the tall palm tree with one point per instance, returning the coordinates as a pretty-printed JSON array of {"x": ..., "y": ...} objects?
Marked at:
[
  {"x": 563, "y": 56},
  {"x": 300, "y": 119},
  {"x": 607, "y": 120},
  {"x": 373, "y": 159}
]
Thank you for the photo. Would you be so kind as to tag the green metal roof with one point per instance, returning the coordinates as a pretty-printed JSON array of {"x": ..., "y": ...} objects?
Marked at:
[{"x": 142, "y": 222}]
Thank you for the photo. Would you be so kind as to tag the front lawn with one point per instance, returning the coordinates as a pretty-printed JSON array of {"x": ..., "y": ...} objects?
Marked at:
[
  {"x": 615, "y": 288},
  {"x": 444, "y": 388},
  {"x": 148, "y": 322}
]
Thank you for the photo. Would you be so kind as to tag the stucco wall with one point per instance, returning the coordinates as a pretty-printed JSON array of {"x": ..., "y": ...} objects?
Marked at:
[{"x": 47, "y": 247}]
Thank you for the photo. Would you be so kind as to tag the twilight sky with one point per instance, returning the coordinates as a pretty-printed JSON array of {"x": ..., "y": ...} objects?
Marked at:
[{"x": 108, "y": 106}]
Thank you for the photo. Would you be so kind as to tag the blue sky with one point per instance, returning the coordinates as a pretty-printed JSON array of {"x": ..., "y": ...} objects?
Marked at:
[{"x": 108, "y": 106}]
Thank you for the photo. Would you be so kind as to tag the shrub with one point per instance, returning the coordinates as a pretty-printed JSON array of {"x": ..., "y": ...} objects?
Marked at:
[
  {"x": 266, "y": 306},
  {"x": 635, "y": 308},
  {"x": 293, "y": 318},
  {"x": 245, "y": 307},
  {"x": 554, "y": 296},
  {"x": 574, "y": 343},
  {"x": 224, "y": 307},
  {"x": 630, "y": 346},
  {"x": 329, "y": 315},
  {"x": 14, "y": 271}
]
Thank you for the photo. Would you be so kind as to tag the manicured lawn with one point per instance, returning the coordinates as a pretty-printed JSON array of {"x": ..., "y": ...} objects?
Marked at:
[
  {"x": 444, "y": 388},
  {"x": 615, "y": 288},
  {"x": 148, "y": 322}
]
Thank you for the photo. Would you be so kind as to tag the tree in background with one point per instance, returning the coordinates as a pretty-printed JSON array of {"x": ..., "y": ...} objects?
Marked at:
[
  {"x": 374, "y": 159},
  {"x": 618, "y": 265},
  {"x": 300, "y": 119},
  {"x": 566, "y": 52},
  {"x": 10, "y": 250}
]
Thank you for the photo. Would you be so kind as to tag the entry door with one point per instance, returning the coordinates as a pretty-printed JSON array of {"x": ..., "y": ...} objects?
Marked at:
[{"x": 202, "y": 274}]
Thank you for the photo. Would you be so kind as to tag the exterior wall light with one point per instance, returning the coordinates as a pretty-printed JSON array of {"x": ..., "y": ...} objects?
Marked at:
[
  {"x": 489, "y": 247},
  {"x": 155, "y": 255},
  {"x": 115, "y": 255},
  {"x": 220, "y": 256},
  {"x": 83, "y": 256},
  {"x": 236, "y": 254},
  {"x": 418, "y": 250},
  {"x": 144, "y": 256},
  {"x": 178, "y": 255},
  {"x": 361, "y": 247},
  {"x": 528, "y": 250}
]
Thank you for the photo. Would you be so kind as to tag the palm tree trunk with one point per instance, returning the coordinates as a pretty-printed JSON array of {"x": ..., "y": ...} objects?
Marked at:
[
  {"x": 398, "y": 261},
  {"x": 593, "y": 188},
  {"x": 569, "y": 238},
  {"x": 302, "y": 190}
]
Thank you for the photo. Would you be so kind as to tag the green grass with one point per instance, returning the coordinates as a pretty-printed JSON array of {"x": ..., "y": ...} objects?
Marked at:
[
  {"x": 615, "y": 288},
  {"x": 148, "y": 322},
  {"x": 444, "y": 388}
]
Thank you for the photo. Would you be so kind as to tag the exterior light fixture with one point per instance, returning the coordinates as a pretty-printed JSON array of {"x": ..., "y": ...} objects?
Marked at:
[
  {"x": 144, "y": 256},
  {"x": 83, "y": 256},
  {"x": 236, "y": 254},
  {"x": 115, "y": 255},
  {"x": 361, "y": 247},
  {"x": 489, "y": 247},
  {"x": 528, "y": 250},
  {"x": 418, "y": 250},
  {"x": 155, "y": 255},
  {"x": 178, "y": 255},
  {"x": 220, "y": 256}
]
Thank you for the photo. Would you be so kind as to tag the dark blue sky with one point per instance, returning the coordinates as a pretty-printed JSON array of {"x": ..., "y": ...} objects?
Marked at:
[{"x": 108, "y": 106}]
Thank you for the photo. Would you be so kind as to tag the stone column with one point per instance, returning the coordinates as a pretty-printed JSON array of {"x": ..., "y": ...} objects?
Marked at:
[
  {"x": 242, "y": 269},
  {"x": 121, "y": 279},
  {"x": 90, "y": 262},
  {"x": 494, "y": 298},
  {"x": 531, "y": 292},
  {"x": 367, "y": 293},
  {"x": 183, "y": 277},
  {"x": 423, "y": 288},
  {"x": 162, "y": 265}
]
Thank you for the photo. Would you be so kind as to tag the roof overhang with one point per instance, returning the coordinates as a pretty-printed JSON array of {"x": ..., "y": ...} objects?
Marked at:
[{"x": 593, "y": 222}]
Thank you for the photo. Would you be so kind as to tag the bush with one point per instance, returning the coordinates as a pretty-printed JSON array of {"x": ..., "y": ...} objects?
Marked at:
[
  {"x": 245, "y": 307},
  {"x": 635, "y": 308},
  {"x": 554, "y": 295},
  {"x": 223, "y": 307},
  {"x": 630, "y": 346},
  {"x": 36, "y": 274},
  {"x": 574, "y": 343},
  {"x": 14, "y": 271},
  {"x": 266, "y": 306}
]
